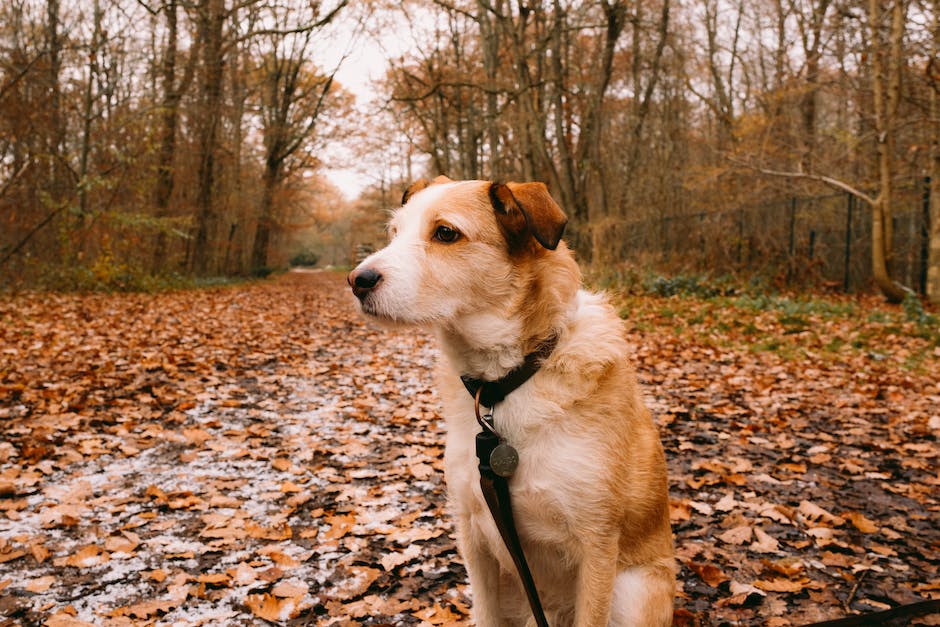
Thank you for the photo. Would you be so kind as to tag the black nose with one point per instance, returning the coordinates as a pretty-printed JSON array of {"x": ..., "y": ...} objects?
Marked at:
[{"x": 363, "y": 281}]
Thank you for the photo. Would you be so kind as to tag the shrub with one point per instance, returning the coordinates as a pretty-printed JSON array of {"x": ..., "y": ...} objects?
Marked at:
[{"x": 305, "y": 258}]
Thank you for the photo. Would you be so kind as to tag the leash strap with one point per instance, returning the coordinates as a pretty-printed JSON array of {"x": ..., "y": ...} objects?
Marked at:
[
  {"x": 886, "y": 617},
  {"x": 496, "y": 492}
]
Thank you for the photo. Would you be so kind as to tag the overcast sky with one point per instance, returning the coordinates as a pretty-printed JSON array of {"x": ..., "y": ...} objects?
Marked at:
[{"x": 366, "y": 62}]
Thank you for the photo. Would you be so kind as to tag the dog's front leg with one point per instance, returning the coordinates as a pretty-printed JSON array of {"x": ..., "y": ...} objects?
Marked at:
[
  {"x": 483, "y": 570},
  {"x": 596, "y": 575}
]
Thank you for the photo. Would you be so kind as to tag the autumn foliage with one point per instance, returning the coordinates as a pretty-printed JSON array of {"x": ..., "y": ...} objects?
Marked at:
[{"x": 261, "y": 452}]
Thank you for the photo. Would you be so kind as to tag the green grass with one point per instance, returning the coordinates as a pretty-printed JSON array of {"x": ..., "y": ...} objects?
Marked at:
[{"x": 794, "y": 326}]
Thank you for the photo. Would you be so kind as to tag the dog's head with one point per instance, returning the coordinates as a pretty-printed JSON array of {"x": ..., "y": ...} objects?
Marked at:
[{"x": 462, "y": 247}]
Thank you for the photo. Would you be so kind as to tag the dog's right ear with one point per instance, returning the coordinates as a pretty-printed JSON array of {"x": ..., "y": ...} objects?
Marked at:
[{"x": 528, "y": 209}]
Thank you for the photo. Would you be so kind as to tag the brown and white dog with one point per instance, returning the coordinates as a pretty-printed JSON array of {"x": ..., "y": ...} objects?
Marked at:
[{"x": 483, "y": 265}]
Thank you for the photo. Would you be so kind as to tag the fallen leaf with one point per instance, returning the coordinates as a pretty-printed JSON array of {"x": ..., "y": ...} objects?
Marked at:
[
  {"x": 290, "y": 588},
  {"x": 737, "y": 535},
  {"x": 86, "y": 557},
  {"x": 709, "y": 573},
  {"x": 860, "y": 522},
  {"x": 340, "y": 525},
  {"x": 781, "y": 585},
  {"x": 270, "y": 607},
  {"x": 816, "y": 514},
  {"x": 61, "y": 619},
  {"x": 763, "y": 542},
  {"x": 40, "y": 584}
]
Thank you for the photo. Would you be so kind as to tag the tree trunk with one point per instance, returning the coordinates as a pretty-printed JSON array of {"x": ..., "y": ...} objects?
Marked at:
[
  {"x": 489, "y": 41},
  {"x": 169, "y": 118},
  {"x": 886, "y": 89},
  {"x": 212, "y": 17},
  {"x": 933, "y": 250},
  {"x": 812, "y": 43},
  {"x": 88, "y": 115},
  {"x": 262, "y": 241},
  {"x": 54, "y": 50}
]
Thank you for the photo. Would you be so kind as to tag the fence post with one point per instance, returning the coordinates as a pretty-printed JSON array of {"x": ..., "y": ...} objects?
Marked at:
[
  {"x": 849, "y": 205},
  {"x": 925, "y": 237},
  {"x": 791, "y": 260}
]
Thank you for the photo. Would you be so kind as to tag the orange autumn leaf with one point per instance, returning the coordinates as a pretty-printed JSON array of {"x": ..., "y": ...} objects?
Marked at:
[
  {"x": 278, "y": 532},
  {"x": 86, "y": 557},
  {"x": 40, "y": 584},
  {"x": 290, "y": 588},
  {"x": 270, "y": 607},
  {"x": 782, "y": 585},
  {"x": 340, "y": 525},
  {"x": 709, "y": 573},
  {"x": 860, "y": 522}
]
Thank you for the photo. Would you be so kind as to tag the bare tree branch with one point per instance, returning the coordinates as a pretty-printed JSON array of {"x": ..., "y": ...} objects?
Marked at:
[{"x": 821, "y": 178}]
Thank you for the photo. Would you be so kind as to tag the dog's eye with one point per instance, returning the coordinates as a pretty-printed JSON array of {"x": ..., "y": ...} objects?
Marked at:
[{"x": 446, "y": 234}]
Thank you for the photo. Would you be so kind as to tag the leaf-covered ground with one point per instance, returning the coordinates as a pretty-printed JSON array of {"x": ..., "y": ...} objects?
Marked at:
[{"x": 224, "y": 456}]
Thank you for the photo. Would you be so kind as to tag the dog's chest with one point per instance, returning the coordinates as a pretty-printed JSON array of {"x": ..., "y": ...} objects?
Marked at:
[{"x": 551, "y": 488}]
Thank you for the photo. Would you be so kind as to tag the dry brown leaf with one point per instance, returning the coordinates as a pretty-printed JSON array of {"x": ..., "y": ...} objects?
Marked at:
[
  {"x": 270, "y": 607},
  {"x": 394, "y": 559},
  {"x": 214, "y": 579},
  {"x": 158, "y": 575},
  {"x": 359, "y": 580},
  {"x": 727, "y": 503},
  {"x": 61, "y": 619},
  {"x": 743, "y": 594},
  {"x": 781, "y": 585},
  {"x": 816, "y": 514},
  {"x": 290, "y": 588},
  {"x": 126, "y": 542},
  {"x": 437, "y": 615},
  {"x": 197, "y": 436},
  {"x": 737, "y": 535},
  {"x": 10, "y": 555},
  {"x": 278, "y": 532},
  {"x": 242, "y": 575},
  {"x": 679, "y": 511},
  {"x": 282, "y": 463},
  {"x": 41, "y": 584},
  {"x": 788, "y": 566},
  {"x": 763, "y": 542},
  {"x": 340, "y": 525},
  {"x": 289, "y": 487},
  {"x": 860, "y": 522},
  {"x": 421, "y": 471},
  {"x": 709, "y": 573},
  {"x": 280, "y": 557},
  {"x": 373, "y": 604},
  {"x": 39, "y": 551},
  {"x": 86, "y": 557}
]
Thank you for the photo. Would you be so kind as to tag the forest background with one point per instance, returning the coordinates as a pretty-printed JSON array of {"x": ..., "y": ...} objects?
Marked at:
[{"x": 794, "y": 141}]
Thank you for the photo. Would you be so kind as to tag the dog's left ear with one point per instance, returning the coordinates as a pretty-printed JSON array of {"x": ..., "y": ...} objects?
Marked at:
[
  {"x": 529, "y": 208},
  {"x": 413, "y": 189},
  {"x": 420, "y": 184}
]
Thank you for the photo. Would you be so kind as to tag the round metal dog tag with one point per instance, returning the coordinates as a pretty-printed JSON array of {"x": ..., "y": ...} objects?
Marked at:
[{"x": 504, "y": 459}]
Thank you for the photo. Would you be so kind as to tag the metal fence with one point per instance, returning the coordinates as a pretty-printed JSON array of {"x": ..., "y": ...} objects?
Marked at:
[{"x": 820, "y": 239}]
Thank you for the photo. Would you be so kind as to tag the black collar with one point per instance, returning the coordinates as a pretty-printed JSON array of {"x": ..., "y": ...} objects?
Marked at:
[{"x": 495, "y": 391}]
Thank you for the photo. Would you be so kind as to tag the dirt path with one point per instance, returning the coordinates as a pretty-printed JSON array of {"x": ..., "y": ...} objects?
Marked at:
[{"x": 223, "y": 456}]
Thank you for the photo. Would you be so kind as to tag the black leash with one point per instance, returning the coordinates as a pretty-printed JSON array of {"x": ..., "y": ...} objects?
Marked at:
[
  {"x": 498, "y": 460},
  {"x": 885, "y": 617}
]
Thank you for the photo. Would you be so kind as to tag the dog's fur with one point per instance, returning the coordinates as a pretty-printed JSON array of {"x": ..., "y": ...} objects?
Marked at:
[{"x": 590, "y": 492}]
